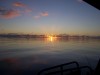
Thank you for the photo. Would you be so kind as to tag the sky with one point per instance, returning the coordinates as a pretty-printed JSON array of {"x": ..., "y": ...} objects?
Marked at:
[{"x": 49, "y": 17}]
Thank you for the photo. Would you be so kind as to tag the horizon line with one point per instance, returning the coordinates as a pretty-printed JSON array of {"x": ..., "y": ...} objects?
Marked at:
[{"x": 47, "y": 34}]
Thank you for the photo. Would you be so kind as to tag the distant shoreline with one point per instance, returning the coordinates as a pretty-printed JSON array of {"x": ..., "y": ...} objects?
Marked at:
[{"x": 63, "y": 36}]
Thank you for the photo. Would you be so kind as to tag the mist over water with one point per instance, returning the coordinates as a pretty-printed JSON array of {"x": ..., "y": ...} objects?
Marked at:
[{"x": 22, "y": 56}]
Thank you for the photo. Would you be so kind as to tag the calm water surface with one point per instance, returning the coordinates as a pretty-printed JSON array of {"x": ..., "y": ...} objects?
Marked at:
[{"x": 22, "y": 56}]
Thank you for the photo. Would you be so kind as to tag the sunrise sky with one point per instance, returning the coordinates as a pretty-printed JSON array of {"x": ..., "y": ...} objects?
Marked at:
[{"x": 49, "y": 17}]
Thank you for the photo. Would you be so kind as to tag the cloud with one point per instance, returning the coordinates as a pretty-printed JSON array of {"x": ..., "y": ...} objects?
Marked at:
[
  {"x": 42, "y": 14},
  {"x": 19, "y": 4},
  {"x": 8, "y": 14},
  {"x": 26, "y": 8},
  {"x": 12, "y": 13}
]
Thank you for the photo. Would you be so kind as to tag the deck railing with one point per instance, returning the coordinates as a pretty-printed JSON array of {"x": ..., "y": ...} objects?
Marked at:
[{"x": 62, "y": 70}]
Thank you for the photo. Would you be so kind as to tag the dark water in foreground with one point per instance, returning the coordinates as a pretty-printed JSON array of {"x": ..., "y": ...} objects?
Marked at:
[{"x": 29, "y": 56}]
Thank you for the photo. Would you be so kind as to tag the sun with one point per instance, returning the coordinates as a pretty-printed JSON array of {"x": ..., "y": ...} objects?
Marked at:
[{"x": 51, "y": 38}]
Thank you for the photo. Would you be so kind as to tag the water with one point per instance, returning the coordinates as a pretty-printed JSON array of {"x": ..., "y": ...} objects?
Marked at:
[{"x": 29, "y": 56}]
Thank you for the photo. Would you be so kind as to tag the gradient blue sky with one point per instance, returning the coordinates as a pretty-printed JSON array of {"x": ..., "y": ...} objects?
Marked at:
[{"x": 49, "y": 17}]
